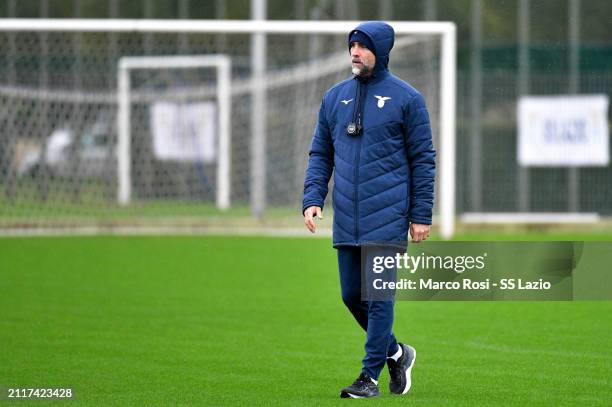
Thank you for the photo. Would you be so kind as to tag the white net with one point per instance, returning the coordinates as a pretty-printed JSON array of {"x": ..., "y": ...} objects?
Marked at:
[{"x": 58, "y": 122}]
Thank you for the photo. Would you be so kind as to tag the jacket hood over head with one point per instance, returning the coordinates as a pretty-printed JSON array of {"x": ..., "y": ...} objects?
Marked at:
[{"x": 382, "y": 36}]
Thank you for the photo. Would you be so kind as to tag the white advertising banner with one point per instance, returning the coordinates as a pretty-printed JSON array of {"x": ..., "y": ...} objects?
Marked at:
[
  {"x": 184, "y": 131},
  {"x": 568, "y": 131}
]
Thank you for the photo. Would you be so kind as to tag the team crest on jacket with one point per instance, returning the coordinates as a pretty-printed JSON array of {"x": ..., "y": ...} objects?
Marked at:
[{"x": 381, "y": 100}]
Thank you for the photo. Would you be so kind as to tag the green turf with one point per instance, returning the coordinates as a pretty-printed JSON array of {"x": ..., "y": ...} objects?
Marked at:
[
  {"x": 259, "y": 321},
  {"x": 96, "y": 204}
]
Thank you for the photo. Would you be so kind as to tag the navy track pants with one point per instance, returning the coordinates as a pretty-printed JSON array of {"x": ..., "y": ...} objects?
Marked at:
[{"x": 375, "y": 317}]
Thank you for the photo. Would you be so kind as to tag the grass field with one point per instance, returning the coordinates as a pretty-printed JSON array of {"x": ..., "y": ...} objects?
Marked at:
[{"x": 259, "y": 321}]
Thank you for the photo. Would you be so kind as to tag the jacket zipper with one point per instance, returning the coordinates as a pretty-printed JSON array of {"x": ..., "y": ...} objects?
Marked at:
[{"x": 358, "y": 122}]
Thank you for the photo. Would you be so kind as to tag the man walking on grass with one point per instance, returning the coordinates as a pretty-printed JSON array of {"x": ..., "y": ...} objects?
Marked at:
[{"x": 373, "y": 134}]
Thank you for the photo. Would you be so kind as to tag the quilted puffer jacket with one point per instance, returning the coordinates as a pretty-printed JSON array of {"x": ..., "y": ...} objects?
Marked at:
[{"x": 384, "y": 174}]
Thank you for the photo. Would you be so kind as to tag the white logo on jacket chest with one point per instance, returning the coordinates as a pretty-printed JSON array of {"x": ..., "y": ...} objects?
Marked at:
[
  {"x": 381, "y": 100},
  {"x": 347, "y": 101}
]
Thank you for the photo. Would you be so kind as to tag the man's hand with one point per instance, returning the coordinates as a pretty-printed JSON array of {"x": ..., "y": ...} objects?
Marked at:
[
  {"x": 309, "y": 213},
  {"x": 419, "y": 232}
]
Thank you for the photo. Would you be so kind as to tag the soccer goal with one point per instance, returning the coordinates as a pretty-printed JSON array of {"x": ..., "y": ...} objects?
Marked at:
[
  {"x": 66, "y": 76},
  {"x": 194, "y": 149}
]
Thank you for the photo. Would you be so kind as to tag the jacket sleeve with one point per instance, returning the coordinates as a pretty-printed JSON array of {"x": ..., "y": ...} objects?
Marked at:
[
  {"x": 421, "y": 159},
  {"x": 320, "y": 164}
]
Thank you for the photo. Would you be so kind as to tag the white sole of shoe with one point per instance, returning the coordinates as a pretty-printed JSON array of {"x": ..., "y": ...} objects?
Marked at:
[
  {"x": 409, "y": 371},
  {"x": 347, "y": 395}
]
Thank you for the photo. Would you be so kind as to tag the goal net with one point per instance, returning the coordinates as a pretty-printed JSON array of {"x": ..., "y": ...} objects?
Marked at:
[{"x": 71, "y": 156}]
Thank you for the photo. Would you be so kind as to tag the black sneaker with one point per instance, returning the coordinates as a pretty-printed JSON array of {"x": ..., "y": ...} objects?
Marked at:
[
  {"x": 400, "y": 371},
  {"x": 362, "y": 387}
]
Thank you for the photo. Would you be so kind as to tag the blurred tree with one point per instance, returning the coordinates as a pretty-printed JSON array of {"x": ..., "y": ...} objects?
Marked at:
[
  {"x": 548, "y": 27},
  {"x": 499, "y": 16}
]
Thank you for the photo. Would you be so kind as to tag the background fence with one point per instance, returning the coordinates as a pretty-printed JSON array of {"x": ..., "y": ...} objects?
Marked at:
[{"x": 52, "y": 81}]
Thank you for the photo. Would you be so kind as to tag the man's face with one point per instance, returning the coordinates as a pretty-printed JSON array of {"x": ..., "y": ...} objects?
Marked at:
[{"x": 362, "y": 59}]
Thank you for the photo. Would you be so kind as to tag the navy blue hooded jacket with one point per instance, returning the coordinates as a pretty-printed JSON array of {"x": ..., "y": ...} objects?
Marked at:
[{"x": 383, "y": 176}]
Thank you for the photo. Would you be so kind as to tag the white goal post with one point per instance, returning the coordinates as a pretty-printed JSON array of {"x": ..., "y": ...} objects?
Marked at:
[
  {"x": 222, "y": 64},
  {"x": 446, "y": 31}
]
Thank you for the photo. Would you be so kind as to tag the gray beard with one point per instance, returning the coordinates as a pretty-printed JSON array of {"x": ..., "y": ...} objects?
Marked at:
[{"x": 363, "y": 72}]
